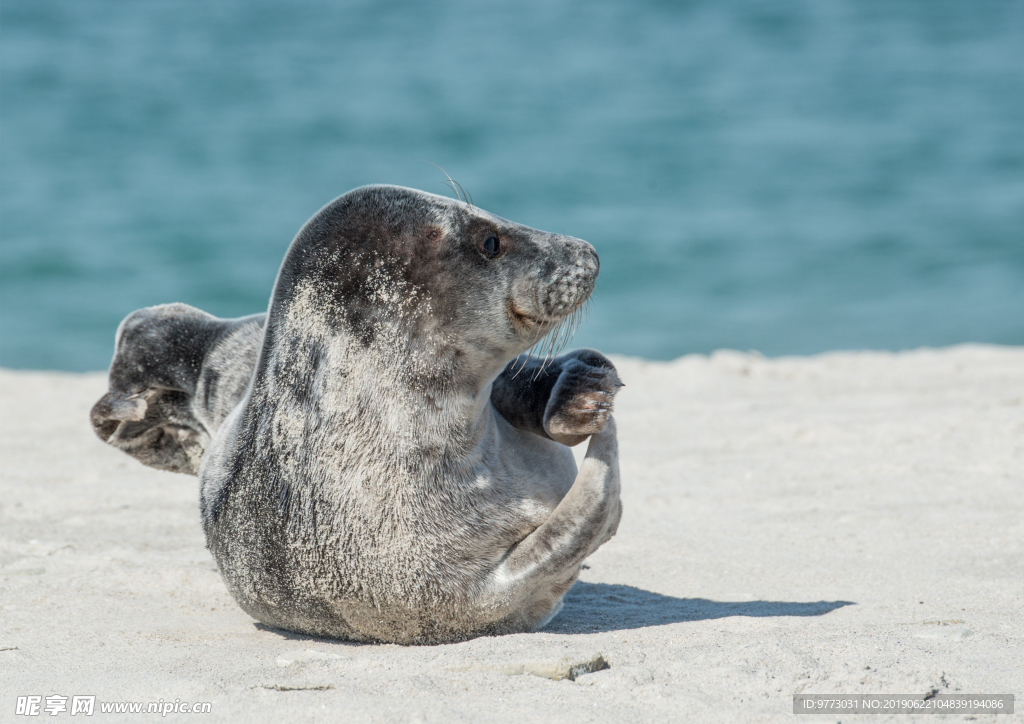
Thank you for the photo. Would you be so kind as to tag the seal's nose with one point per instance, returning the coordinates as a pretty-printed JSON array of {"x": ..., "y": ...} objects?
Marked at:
[
  {"x": 585, "y": 257},
  {"x": 571, "y": 279},
  {"x": 592, "y": 260}
]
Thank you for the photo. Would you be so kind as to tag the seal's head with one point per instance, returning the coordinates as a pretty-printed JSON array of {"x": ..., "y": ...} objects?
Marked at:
[{"x": 426, "y": 284}]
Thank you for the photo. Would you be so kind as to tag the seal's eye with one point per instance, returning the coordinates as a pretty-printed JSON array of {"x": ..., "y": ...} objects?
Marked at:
[{"x": 491, "y": 246}]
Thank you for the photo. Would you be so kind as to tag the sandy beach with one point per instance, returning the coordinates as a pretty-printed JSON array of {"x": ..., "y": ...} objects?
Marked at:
[{"x": 844, "y": 523}]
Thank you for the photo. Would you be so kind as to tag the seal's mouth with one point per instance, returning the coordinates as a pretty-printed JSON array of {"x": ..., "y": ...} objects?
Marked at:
[
  {"x": 528, "y": 322},
  {"x": 546, "y": 336}
]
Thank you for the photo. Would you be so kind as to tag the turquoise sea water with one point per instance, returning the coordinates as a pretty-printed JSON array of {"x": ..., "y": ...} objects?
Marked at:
[{"x": 783, "y": 176}]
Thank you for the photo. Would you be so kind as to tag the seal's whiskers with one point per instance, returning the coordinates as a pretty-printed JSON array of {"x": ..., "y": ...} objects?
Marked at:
[
  {"x": 555, "y": 340},
  {"x": 465, "y": 196}
]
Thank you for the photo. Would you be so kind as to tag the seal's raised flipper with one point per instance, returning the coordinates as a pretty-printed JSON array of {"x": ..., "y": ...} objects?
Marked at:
[
  {"x": 565, "y": 399},
  {"x": 544, "y": 565},
  {"x": 176, "y": 374}
]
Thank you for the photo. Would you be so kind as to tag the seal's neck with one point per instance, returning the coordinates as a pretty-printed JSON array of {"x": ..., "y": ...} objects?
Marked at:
[
  {"x": 409, "y": 398},
  {"x": 384, "y": 379}
]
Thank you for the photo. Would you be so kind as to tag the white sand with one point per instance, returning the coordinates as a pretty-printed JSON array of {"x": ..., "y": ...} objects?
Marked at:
[{"x": 851, "y": 522}]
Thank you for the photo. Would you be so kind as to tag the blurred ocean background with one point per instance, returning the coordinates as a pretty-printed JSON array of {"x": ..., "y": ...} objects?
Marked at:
[{"x": 789, "y": 177}]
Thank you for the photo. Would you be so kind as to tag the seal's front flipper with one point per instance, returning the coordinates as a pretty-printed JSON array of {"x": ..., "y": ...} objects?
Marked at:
[
  {"x": 539, "y": 569},
  {"x": 176, "y": 374},
  {"x": 581, "y": 400},
  {"x": 566, "y": 399}
]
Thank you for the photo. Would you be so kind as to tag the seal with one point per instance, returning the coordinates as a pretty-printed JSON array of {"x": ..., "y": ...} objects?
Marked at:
[{"x": 375, "y": 463}]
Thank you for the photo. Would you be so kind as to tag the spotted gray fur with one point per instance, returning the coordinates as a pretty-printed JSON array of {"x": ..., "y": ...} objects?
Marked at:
[{"x": 374, "y": 464}]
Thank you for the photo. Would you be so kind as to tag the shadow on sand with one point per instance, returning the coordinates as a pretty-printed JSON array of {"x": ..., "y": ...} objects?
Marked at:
[
  {"x": 600, "y": 607},
  {"x": 296, "y": 636}
]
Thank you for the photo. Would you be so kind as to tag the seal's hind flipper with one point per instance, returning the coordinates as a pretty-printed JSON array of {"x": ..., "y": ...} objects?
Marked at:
[
  {"x": 155, "y": 427},
  {"x": 163, "y": 357}
]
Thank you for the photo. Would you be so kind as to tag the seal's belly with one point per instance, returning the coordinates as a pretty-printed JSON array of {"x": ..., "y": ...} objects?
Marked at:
[
  {"x": 390, "y": 568},
  {"x": 405, "y": 591},
  {"x": 534, "y": 473}
]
